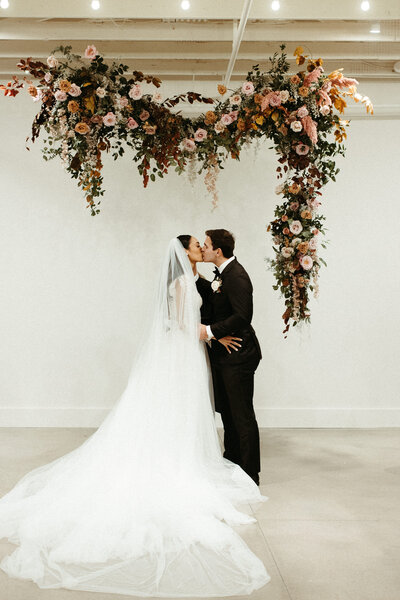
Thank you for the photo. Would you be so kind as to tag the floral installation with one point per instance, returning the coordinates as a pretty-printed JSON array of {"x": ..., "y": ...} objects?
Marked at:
[{"x": 88, "y": 107}]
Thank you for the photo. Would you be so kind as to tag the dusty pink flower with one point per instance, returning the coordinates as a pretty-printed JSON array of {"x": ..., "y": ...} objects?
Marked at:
[
  {"x": 248, "y": 88},
  {"x": 123, "y": 101},
  {"x": 60, "y": 96},
  {"x": 135, "y": 92},
  {"x": 109, "y": 119},
  {"x": 315, "y": 231},
  {"x": 324, "y": 98},
  {"x": 313, "y": 243},
  {"x": 157, "y": 97},
  {"x": 144, "y": 115},
  {"x": 310, "y": 127},
  {"x": 38, "y": 96},
  {"x": 219, "y": 127},
  {"x": 279, "y": 188},
  {"x": 150, "y": 129},
  {"x": 287, "y": 252},
  {"x": 312, "y": 77},
  {"x": 96, "y": 119},
  {"x": 271, "y": 99},
  {"x": 306, "y": 262},
  {"x": 302, "y": 112},
  {"x": 101, "y": 92},
  {"x": 200, "y": 135},
  {"x": 302, "y": 149},
  {"x": 325, "y": 110},
  {"x": 52, "y": 62},
  {"x": 234, "y": 115},
  {"x": 131, "y": 123},
  {"x": 313, "y": 204},
  {"x": 296, "y": 126},
  {"x": 284, "y": 96},
  {"x": 296, "y": 227},
  {"x": 226, "y": 119},
  {"x": 344, "y": 82},
  {"x": 74, "y": 90},
  {"x": 189, "y": 144},
  {"x": 91, "y": 52},
  {"x": 235, "y": 100},
  {"x": 48, "y": 77},
  {"x": 294, "y": 205}
]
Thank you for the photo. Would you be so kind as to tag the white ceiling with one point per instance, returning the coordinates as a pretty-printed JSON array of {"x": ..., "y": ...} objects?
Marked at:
[{"x": 160, "y": 38}]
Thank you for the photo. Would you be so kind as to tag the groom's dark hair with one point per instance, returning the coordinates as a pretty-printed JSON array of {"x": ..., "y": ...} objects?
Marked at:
[{"x": 223, "y": 239}]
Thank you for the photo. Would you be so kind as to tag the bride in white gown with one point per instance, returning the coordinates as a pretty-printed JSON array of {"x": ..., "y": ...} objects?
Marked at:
[{"x": 145, "y": 506}]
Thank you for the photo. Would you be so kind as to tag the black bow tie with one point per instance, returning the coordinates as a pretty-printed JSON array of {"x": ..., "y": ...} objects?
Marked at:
[{"x": 216, "y": 272}]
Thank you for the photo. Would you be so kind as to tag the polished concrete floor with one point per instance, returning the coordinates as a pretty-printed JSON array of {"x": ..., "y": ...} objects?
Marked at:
[{"x": 331, "y": 527}]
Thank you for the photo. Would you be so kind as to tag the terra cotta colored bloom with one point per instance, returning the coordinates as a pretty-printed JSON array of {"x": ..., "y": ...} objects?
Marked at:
[
  {"x": 82, "y": 128},
  {"x": 73, "y": 106},
  {"x": 64, "y": 85}
]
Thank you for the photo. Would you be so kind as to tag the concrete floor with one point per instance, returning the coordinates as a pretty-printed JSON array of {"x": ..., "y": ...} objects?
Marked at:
[{"x": 331, "y": 527}]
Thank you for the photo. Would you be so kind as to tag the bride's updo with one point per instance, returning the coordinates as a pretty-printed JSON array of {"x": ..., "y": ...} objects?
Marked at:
[{"x": 185, "y": 240}]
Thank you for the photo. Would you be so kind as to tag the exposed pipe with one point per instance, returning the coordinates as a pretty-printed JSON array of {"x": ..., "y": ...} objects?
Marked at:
[{"x": 238, "y": 32}]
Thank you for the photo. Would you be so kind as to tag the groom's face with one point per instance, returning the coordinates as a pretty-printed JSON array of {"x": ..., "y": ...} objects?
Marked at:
[{"x": 209, "y": 254}]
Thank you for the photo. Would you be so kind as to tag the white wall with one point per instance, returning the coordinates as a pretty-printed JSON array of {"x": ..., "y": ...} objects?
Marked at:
[{"x": 74, "y": 289}]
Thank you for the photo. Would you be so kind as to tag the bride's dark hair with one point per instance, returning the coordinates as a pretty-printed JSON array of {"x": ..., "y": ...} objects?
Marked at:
[{"x": 185, "y": 240}]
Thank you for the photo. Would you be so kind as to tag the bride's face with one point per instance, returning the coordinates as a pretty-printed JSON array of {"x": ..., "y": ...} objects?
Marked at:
[{"x": 194, "y": 251}]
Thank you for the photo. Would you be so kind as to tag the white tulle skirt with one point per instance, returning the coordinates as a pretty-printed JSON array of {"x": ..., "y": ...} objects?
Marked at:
[{"x": 145, "y": 506}]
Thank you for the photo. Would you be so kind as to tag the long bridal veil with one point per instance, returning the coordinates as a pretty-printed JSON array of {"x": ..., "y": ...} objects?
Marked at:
[{"x": 144, "y": 506}]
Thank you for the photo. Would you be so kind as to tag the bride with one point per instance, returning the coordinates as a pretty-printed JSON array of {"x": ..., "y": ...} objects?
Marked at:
[{"x": 145, "y": 506}]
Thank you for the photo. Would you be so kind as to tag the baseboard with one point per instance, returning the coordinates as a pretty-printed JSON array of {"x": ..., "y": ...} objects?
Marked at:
[{"x": 266, "y": 417}]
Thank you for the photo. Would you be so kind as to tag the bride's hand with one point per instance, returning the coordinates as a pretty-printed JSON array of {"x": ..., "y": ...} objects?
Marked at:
[{"x": 230, "y": 342}]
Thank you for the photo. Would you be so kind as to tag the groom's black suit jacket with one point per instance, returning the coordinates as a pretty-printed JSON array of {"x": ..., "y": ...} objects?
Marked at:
[{"x": 229, "y": 312}]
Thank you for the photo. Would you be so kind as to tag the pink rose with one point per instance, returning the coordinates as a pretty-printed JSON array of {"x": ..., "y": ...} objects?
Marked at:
[
  {"x": 123, "y": 101},
  {"x": 226, "y": 119},
  {"x": 234, "y": 115},
  {"x": 157, "y": 97},
  {"x": 274, "y": 99},
  {"x": 135, "y": 92},
  {"x": 52, "y": 62},
  {"x": 296, "y": 227},
  {"x": 313, "y": 243},
  {"x": 144, "y": 115},
  {"x": 188, "y": 144},
  {"x": 296, "y": 126},
  {"x": 284, "y": 96},
  {"x": 48, "y": 77},
  {"x": 131, "y": 123},
  {"x": 287, "y": 252},
  {"x": 91, "y": 52},
  {"x": 302, "y": 149},
  {"x": 60, "y": 96},
  {"x": 306, "y": 262},
  {"x": 294, "y": 205},
  {"x": 219, "y": 127},
  {"x": 302, "y": 112},
  {"x": 200, "y": 135},
  {"x": 315, "y": 231},
  {"x": 74, "y": 90},
  {"x": 101, "y": 92},
  {"x": 248, "y": 88},
  {"x": 109, "y": 119},
  {"x": 325, "y": 110}
]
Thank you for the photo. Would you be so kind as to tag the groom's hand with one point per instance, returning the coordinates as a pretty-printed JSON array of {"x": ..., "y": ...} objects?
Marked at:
[{"x": 203, "y": 333}]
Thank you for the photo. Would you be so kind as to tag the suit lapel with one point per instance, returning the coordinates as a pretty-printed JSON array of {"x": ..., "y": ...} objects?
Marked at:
[{"x": 228, "y": 268}]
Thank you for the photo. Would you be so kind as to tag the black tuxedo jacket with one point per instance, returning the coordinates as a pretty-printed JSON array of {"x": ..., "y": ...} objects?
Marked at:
[
  {"x": 205, "y": 291},
  {"x": 231, "y": 314}
]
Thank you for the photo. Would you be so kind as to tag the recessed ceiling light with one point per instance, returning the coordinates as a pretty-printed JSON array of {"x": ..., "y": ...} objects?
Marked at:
[
  {"x": 95, "y": 4},
  {"x": 185, "y": 4},
  {"x": 4, "y": 4},
  {"x": 365, "y": 5},
  {"x": 275, "y": 5},
  {"x": 375, "y": 28}
]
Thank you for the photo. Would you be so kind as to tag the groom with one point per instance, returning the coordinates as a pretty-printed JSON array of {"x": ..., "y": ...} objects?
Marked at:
[{"x": 231, "y": 310}]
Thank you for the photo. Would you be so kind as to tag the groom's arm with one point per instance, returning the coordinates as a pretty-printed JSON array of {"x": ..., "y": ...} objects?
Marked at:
[{"x": 240, "y": 294}]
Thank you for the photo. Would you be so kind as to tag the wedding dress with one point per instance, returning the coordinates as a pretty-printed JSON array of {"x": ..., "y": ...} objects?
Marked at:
[{"x": 144, "y": 507}]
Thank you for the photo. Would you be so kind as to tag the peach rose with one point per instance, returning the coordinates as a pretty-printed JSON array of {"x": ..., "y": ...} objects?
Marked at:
[
  {"x": 294, "y": 205},
  {"x": 64, "y": 85},
  {"x": 189, "y": 145},
  {"x": 302, "y": 112},
  {"x": 123, "y": 101},
  {"x": 287, "y": 252},
  {"x": 109, "y": 119},
  {"x": 306, "y": 262},
  {"x": 131, "y": 123},
  {"x": 296, "y": 126},
  {"x": 302, "y": 149},
  {"x": 294, "y": 188},
  {"x": 60, "y": 96},
  {"x": 284, "y": 218},
  {"x": 302, "y": 247},
  {"x": 157, "y": 97},
  {"x": 101, "y": 92},
  {"x": 306, "y": 214},
  {"x": 303, "y": 91},
  {"x": 286, "y": 231},
  {"x": 210, "y": 117},
  {"x": 91, "y": 52},
  {"x": 248, "y": 88},
  {"x": 295, "y": 79},
  {"x": 135, "y": 92},
  {"x": 221, "y": 89},
  {"x": 74, "y": 90},
  {"x": 82, "y": 128},
  {"x": 73, "y": 106},
  {"x": 235, "y": 100},
  {"x": 226, "y": 119},
  {"x": 284, "y": 96}
]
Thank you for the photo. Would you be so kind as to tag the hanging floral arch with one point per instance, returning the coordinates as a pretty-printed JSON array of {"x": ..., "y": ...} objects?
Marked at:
[{"x": 88, "y": 107}]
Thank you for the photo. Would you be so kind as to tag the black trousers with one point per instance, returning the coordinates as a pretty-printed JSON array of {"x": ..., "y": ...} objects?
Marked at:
[{"x": 234, "y": 389}]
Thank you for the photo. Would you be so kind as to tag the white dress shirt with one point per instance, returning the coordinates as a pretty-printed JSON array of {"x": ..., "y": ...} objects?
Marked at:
[{"x": 220, "y": 269}]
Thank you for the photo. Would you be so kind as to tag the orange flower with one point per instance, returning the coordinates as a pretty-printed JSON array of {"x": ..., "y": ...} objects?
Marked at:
[
  {"x": 285, "y": 282},
  {"x": 32, "y": 90},
  {"x": 302, "y": 247},
  {"x": 284, "y": 218},
  {"x": 260, "y": 120},
  {"x": 258, "y": 98},
  {"x": 294, "y": 188},
  {"x": 300, "y": 281},
  {"x": 64, "y": 85},
  {"x": 210, "y": 117},
  {"x": 295, "y": 79},
  {"x": 82, "y": 128},
  {"x": 303, "y": 91},
  {"x": 306, "y": 214},
  {"x": 73, "y": 106},
  {"x": 222, "y": 89},
  {"x": 241, "y": 125}
]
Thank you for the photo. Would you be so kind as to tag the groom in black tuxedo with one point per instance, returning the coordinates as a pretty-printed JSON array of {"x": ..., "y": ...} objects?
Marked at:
[{"x": 229, "y": 312}]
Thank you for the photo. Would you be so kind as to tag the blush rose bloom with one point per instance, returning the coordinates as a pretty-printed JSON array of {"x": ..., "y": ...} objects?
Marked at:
[
  {"x": 296, "y": 227},
  {"x": 284, "y": 96},
  {"x": 306, "y": 262},
  {"x": 91, "y": 52},
  {"x": 109, "y": 119},
  {"x": 48, "y": 77},
  {"x": 188, "y": 144},
  {"x": 101, "y": 92},
  {"x": 135, "y": 92},
  {"x": 75, "y": 90},
  {"x": 294, "y": 205},
  {"x": 60, "y": 96},
  {"x": 279, "y": 188},
  {"x": 52, "y": 62},
  {"x": 123, "y": 101},
  {"x": 226, "y": 119},
  {"x": 302, "y": 112},
  {"x": 296, "y": 126},
  {"x": 219, "y": 126},
  {"x": 302, "y": 149},
  {"x": 82, "y": 128},
  {"x": 287, "y": 252},
  {"x": 144, "y": 115},
  {"x": 157, "y": 97},
  {"x": 313, "y": 243},
  {"x": 234, "y": 115},
  {"x": 131, "y": 123},
  {"x": 200, "y": 135},
  {"x": 274, "y": 99},
  {"x": 235, "y": 100},
  {"x": 324, "y": 110},
  {"x": 248, "y": 88}
]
